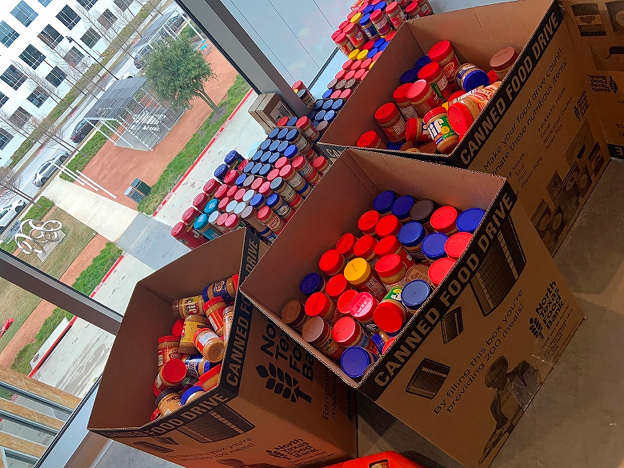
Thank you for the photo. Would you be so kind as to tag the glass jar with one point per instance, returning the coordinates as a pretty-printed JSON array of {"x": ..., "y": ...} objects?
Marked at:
[
  {"x": 305, "y": 125},
  {"x": 381, "y": 22},
  {"x": 292, "y": 177},
  {"x": 321, "y": 164},
  {"x": 391, "y": 271},
  {"x": 305, "y": 170},
  {"x": 390, "y": 245},
  {"x": 355, "y": 34},
  {"x": 283, "y": 189},
  {"x": 280, "y": 207},
  {"x": 168, "y": 401},
  {"x": 369, "y": 28}
]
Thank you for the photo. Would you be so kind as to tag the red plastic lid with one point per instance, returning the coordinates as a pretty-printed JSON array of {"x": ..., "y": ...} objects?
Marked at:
[
  {"x": 368, "y": 139},
  {"x": 377, "y": 55},
  {"x": 281, "y": 162},
  {"x": 303, "y": 122},
  {"x": 349, "y": 28},
  {"x": 223, "y": 203},
  {"x": 387, "y": 245},
  {"x": 417, "y": 90},
  {"x": 240, "y": 193},
  {"x": 211, "y": 186},
  {"x": 455, "y": 95},
  {"x": 297, "y": 85},
  {"x": 389, "y": 265},
  {"x": 336, "y": 285},
  {"x": 317, "y": 304},
  {"x": 360, "y": 74},
  {"x": 376, "y": 15},
  {"x": 413, "y": 129},
  {"x": 346, "y": 93},
  {"x": 299, "y": 162},
  {"x": 440, "y": 50},
  {"x": 178, "y": 229},
  {"x": 274, "y": 174},
  {"x": 400, "y": 94},
  {"x": 335, "y": 94},
  {"x": 429, "y": 72},
  {"x": 460, "y": 118},
  {"x": 392, "y": 7},
  {"x": 319, "y": 162},
  {"x": 176, "y": 329},
  {"x": 362, "y": 7},
  {"x": 155, "y": 415},
  {"x": 390, "y": 36},
  {"x": 456, "y": 244},
  {"x": 345, "y": 244},
  {"x": 231, "y": 191},
  {"x": 439, "y": 269},
  {"x": 164, "y": 339},
  {"x": 222, "y": 219},
  {"x": 341, "y": 73},
  {"x": 207, "y": 305},
  {"x": 492, "y": 76},
  {"x": 343, "y": 25},
  {"x": 257, "y": 183},
  {"x": 351, "y": 14},
  {"x": 331, "y": 262},
  {"x": 345, "y": 300},
  {"x": 230, "y": 177},
  {"x": 174, "y": 371},
  {"x": 389, "y": 316},
  {"x": 386, "y": 112},
  {"x": 286, "y": 171},
  {"x": 443, "y": 219},
  {"x": 369, "y": 45},
  {"x": 341, "y": 37},
  {"x": 264, "y": 213},
  {"x": 235, "y": 279},
  {"x": 365, "y": 246},
  {"x": 334, "y": 35},
  {"x": 433, "y": 112},
  {"x": 368, "y": 221},
  {"x": 346, "y": 330},
  {"x": 232, "y": 221},
  {"x": 355, "y": 66},
  {"x": 411, "y": 7},
  {"x": 189, "y": 214},
  {"x": 265, "y": 188},
  {"x": 362, "y": 307},
  {"x": 350, "y": 74},
  {"x": 389, "y": 225},
  {"x": 366, "y": 64},
  {"x": 282, "y": 122},
  {"x": 221, "y": 191},
  {"x": 389, "y": 342},
  {"x": 216, "y": 370}
]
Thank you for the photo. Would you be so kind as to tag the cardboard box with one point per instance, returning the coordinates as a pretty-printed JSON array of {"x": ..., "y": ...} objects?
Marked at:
[
  {"x": 598, "y": 31},
  {"x": 503, "y": 311},
  {"x": 270, "y": 109},
  {"x": 539, "y": 131},
  {"x": 275, "y": 406},
  {"x": 253, "y": 111}
]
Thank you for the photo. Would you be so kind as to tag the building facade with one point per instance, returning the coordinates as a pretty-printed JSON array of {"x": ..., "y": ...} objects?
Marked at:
[{"x": 44, "y": 48}]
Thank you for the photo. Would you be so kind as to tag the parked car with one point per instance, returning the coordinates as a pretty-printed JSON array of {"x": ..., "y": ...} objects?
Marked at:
[
  {"x": 142, "y": 53},
  {"x": 10, "y": 212},
  {"x": 82, "y": 129},
  {"x": 6, "y": 326},
  {"x": 48, "y": 168}
]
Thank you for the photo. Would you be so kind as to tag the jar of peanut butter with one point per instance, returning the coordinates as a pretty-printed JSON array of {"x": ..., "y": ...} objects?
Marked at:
[
  {"x": 365, "y": 248},
  {"x": 191, "y": 325},
  {"x": 168, "y": 347},
  {"x": 209, "y": 344},
  {"x": 293, "y": 315},
  {"x": 214, "y": 309},
  {"x": 225, "y": 289},
  {"x": 360, "y": 274},
  {"x": 320, "y": 305},
  {"x": 318, "y": 333},
  {"x": 188, "y": 306},
  {"x": 168, "y": 401},
  {"x": 210, "y": 379},
  {"x": 196, "y": 365},
  {"x": 228, "y": 321},
  {"x": 170, "y": 375},
  {"x": 391, "y": 271}
]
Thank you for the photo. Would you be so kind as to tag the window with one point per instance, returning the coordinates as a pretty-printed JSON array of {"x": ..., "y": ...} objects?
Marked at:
[
  {"x": 50, "y": 36},
  {"x": 87, "y": 4},
  {"x": 24, "y": 13},
  {"x": 13, "y": 77},
  {"x": 73, "y": 57},
  {"x": 38, "y": 96},
  {"x": 90, "y": 38},
  {"x": 123, "y": 4},
  {"x": 56, "y": 77},
  {"x": 45, "y": 2},
  {"x": 7, "y": 34},
  {"x": 32, "y": 57},
  {"x": 107, "y": 19},
  {"x": 20, "y": 117},
  {"x": 5, "y": 137},
  {"x": 3, "y": 99},
  {"x": 68, "y": 17}
]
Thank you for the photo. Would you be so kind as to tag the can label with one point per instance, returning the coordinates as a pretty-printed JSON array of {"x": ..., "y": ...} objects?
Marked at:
[
  {"x": 398, "y": 19},
  {"x": 306, "y": 170},
  {"x": 216, "y": 321},
  {"x": 193, "y": 366},
  {"x": 167, "y": 354},
  {"x": 190, "y": 306},
  {"x": 296, "y": 180},
  {"x": 302, "y": 143},
  {"x": 275, "y": 224},
  {"x": 219, "y": 289}
]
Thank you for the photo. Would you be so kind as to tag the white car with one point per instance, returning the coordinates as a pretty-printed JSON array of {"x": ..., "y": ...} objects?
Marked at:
[
  {"x": 48, "y": 168},
  {"x": 10, "y": 212}
]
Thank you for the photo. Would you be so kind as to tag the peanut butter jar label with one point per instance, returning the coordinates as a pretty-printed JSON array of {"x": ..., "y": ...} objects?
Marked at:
[
  {"x": 376, "y": 288},
  {"x": 331, "y": 349}
]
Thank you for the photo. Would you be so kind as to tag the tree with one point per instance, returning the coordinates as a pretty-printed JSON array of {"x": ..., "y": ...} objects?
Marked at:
[
  {"x": 177, "y": 72},
  {"x": 10, "y": 181}
]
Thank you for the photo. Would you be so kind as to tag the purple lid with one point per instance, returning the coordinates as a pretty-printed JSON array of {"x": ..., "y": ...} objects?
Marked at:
[
  {"x": 231, "y": 157},
  {"x": 383, "y": 202},
  {"x": 220, "y": 171},
  {"x": 402, "y": 206},
  {"x": 311, "y": 283}
]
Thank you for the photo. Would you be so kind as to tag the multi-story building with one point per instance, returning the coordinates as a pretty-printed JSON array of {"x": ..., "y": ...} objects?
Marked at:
[{"x": 44, "y": 47}]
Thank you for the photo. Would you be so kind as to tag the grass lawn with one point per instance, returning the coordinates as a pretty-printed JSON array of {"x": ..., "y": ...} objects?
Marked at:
[
  {"x": 191, "y": 151},
  {"x": 86, "y": 153},
  {"x": 34, "y": 212},
  {"x": 19, "y": 304}
]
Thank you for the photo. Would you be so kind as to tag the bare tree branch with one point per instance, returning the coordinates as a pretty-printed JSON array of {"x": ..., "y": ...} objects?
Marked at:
[{"x": 10, "y": 181}]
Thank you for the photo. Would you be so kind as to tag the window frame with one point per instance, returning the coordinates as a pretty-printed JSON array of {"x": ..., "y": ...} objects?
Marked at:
[
  {"x": 91, "y": 33},
  {"x": 74, "y": 52},
  {"x": 12, "y": 82},
  {"x": 105, "y": 21},
  {"x": 3, "y": 99},
  {"x": 54, "y": 72},
  {"x": 45, "y": 3},
  {"x": 25, "y": 9},
  {"x": 38, "y": 91},
  {"x": 5, "y": 138},
  {"x": 9, "y": 37},
  {"x": 65, "y": 20},
  {"x": 50, "y": 41},
  {"x": 123, "y": 5},
  {"x": 86, "y": 4},
  {"x": 33, "y": 58}
]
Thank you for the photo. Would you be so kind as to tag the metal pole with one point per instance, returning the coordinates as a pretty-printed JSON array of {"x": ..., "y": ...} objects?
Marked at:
[{"x": 96, "y": 184}]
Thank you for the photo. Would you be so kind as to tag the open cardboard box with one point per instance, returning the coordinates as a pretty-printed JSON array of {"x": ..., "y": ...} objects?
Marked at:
[
  {"x": 539, "y": 131},
  {"x": 466, "y": 366},
  {"x": 305, "y": 417}
]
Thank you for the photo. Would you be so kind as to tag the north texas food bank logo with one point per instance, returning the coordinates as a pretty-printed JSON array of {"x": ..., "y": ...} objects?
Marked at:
[{"x": 282, "y": 383}]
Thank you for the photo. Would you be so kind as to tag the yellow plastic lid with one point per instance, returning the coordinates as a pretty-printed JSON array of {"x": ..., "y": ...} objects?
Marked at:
[
  {"x": 362, "y": 55},
  {"x": 355, "y": 19},
  {"x": 357, "y": 271},
  {"x": 354, "y": 53}
]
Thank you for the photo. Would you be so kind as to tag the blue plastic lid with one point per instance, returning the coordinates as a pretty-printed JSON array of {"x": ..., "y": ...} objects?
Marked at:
[
  {"x": 410, "y": 76},
  {"x": 329, "y": 116},
  {"x": 380, "y": 6},
  {"x": 292, "y": 121},
  {"x": 318, "y": 104},
  {"x": 274, "y": 133},
  {"x": 433, "y": 245},
  {"x": 257, "y": 155},
  {"x": 354, "y": 361},
  {"x": 273, "y": 158},
  {"x": 220, "y": 171},
  {"x": 368, "y": 10},
  {"x": 379, "y": 42},
  {"x": 469, "y": 220},
  {"x": 265, "y": 157},
  {"x": 383, "y": 202},
  {"x": 264, "y": 170},
  {"x": 394, "y": 146},
  {"x": 327, "y": 93},
  {"x": 293, "y": 133},
  {"x": 257, "y": 200},
  {"x": 372, "y": 52},
  {"x": 274, "y": 145},
  {"x": 249, "y": 194},
  {"x": 231, "y": 157},
  {"x": 311, "y": 283},
  {"x": 291, "y": 151},
  {"x": 327, "y": 104},
  {"x": 240, "y": 179},
  {"x": 272, "y": 200},
  {"x": 365, "y": 19},
  {"x": 402, "y": 206},
  {"x": 415, "y": 293},
  {"x": 320, "y": 115},
  {"x": 186, "y": 395},
  {"x": 338, "y": 104},
  {"x": 256, "y": 169},
  {"x": 411, "y": 234},
  {"x": 201, "y": 221},
  {"x": 211, "y": 206},
  {"x": 312, "y": 113},
  {"x": 283, "y": 145},
  {"x": 383, "y": 46},
  {"x": 282, "y": 133},
  {"x": 422, "y": 61},
  {"x": 248, "y": 167},
  {"x": 379, "y": 342},
  {"x": 474, "y": 79}
]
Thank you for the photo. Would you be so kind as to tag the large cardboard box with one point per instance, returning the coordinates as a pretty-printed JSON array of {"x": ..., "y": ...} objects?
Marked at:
[
  {"x": 539, "y": 131},
  {"x": 275, "y": 405},
  {"x": 464, "y": 368}
]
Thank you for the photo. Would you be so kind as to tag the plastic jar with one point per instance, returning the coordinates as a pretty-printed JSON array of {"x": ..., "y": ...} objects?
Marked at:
[
  {"x": 176, "y": 329},
  {"x": 369, "y": 28},
  {"x": 221, "y": 171},
  {"x": 343, "y": 304},
  {"x": 456, "y": 244},
  {"x": 355, "y": 34},
  {"x": 345, "y": 244},
  {"x": 280, "y": 207},
  {"x": 433, "y": 246},
  {"x": 362, "y": 308},
  {"x": 469, "y": 220},
  {"x": 444, "y": 220},
  {"x": 191, "y": 239},
  {"x": 226, "y": 289},
  {"x": 183, "y": 308},
  {"x": 320, "y": 305},
  {"x": 395, "y": 15},
  {"x": 411, "y": 236},
  {"x": 221, "y": 192},
  {"x": 196, "y": 365},
  {"x": 405, "y": 106},
  {"x": 214, "y": 309},
  {"x": 283, "y": 189},
  {"x": 368, "y": 221},
  {"x": 209, "y": 344},
  {"x": 433, "y": 74},
  {"x": 422, "y": 96},
  {"x": 383, "y": 202},
  {"x": 439, "y": 269},
  {"x": 425, "y": 8},
  {"x": 191, "y": 325},
  {"x": 305, "y": 125},
  {"x": 391, "y": 121},
  {"x": 444, "y": 54},
  {"x": 296, "y": 138},
  {"x": 390, "y": 245},
  {"x": 213, "y": 220},
  {"x": 318, "y": 333},
  {"x": 168, "y": 401},
  {"x": 332, "y": 262},
  {"x": 416, "y": 131},
  {"x": 211, "y": 187},
  {"x": 293, "y": 315},
  {"x": 336, "y": 286},
  {"x": 189, "y": 216},
  {"x": 381, "y": 22},
  {"x": 305, "y": 170},
  {"x": 342, "y": 42},
  {"x": 414, "y": 294},
  {"x": 249, "y": 216},
  {"x": 210, "y": 379},
  {"x": 360, "y": 274},
  {"x": 390, "y": 315},
  {"x": 321, "y": 164},
  {"x": 170, "y": 374},
  {"x": 468, "y": 77},
  {"x": 168, "y": 349},
  {"x": 391, "y": 271},
  {"x": 312, "y": 283},
  {"x": 422, "y": 211},
  {"x": 412, "y": 11},
  {"x": 347, "y": 332},
  {"x": 370, "y": 139},
  {"x": 440, "y": 130},
  {"x": 503, "y": 61},
  {"x": 402, "y": 206},
  {"x": 200, "y": 201},
  {"x": 268, "y": 217},
  {"x": 232, "y": 222},
  {"x": 354, "y": 361},
  {"x": 388, "y": 225},
  {"x": 192, "y": 394},
  {"x": 462, "y": 114},
  {"x": 292, "y": 177}
]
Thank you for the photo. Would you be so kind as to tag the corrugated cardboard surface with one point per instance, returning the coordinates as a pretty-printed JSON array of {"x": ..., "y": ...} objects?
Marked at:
[
  {"x": 274, "y": 406},
  {"x": 503, "y": 312},
  {"x": 598, "y": 31},
  {"x": 539, "y": 131}
]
